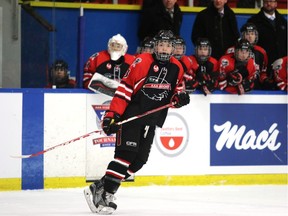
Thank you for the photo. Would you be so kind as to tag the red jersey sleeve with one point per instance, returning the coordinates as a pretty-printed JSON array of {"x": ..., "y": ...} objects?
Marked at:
[{"x": 131, "y": 83}]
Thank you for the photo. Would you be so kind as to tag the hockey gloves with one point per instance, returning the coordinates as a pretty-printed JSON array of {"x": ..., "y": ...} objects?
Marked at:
[
  {"x": 180, "y": 99},
  {"x": 109, "y": 125},
  {"x": 248, "y": 85},
  {"x": 268, "y": 84},
  {"x": 234, "y": 78}
]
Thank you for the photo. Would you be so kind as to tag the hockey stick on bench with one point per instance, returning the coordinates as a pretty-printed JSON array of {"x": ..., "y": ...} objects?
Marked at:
[{"x": 93, "y": 132}]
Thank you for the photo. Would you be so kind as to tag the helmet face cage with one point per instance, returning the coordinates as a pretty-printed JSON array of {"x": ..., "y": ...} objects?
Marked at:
[
  {"x": 164, "y": 45},
  {"x": 243, "y": 51},
  {"x": 117, "y": 47},
  {"x": 180, "y": 48},
  {"x": 203, "y": 50},
  {"x": 249, "y": 31}
]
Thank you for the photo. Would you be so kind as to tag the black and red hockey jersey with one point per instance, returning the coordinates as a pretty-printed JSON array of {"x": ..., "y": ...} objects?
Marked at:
[
  {"x": 228, "y": 66},
  {"x": 261, "y": 60},
  {"x": 280, "y": 73},
  {"x": 147, "y": 85},
  {"x": 101, "y": 62}
]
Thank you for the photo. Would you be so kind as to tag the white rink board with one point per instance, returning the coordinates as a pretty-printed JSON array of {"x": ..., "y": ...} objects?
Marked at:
[
  {"x": 194, "y": 158},
  {"x": 64, "y": 119},
  {"x": 68, "y": 116},
  {"x": 10, "y": 134},
  {"x": 97, "y": 157}
]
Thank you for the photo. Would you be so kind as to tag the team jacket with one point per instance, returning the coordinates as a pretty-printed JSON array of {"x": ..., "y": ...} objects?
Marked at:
[
  {"x": 221, "y": 32},
  {"x": 261, "y": 61},
  {"x": 101, "y": 63},
  {"x": 147, "y": 85},
  {"x": 228, "y": 66}
]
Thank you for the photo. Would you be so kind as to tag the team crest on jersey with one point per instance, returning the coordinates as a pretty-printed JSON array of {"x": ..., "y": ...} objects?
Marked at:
[
  {"x": 156, "y": 68},
  {"x": 224, "y": 63},
  {"x": 108, "y": 66},
  {"x": 172, "y": 139},
  {"x": 158, "y": 82}
]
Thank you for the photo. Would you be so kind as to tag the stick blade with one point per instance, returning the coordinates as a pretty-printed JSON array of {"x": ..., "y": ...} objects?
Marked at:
[{"x": 20, "y": 156}]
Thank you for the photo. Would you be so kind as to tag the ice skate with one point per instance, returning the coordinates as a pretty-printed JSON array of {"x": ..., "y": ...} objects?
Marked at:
[
  {"x": 106, "y": 204},
  {"x": 93, "y": 194}
]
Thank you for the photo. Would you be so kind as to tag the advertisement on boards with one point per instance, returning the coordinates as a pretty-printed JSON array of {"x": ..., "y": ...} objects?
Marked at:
[{"x": 248, "y": 134}]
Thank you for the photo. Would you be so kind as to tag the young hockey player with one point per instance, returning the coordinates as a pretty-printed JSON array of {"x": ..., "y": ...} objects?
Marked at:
[
  {"x": 153, "y": 80},
  {"x": 204, "y": 67},
  {"x": 262, "y": 79},
  {"x": 104, "y": 70},
  {"x": 59, "y": 76},
  {"x": 280, "y": 67},
  {"x": 237, "y": 72},
  {"x": 147, "y": 45},
  {"x": 179, "y": 54}
]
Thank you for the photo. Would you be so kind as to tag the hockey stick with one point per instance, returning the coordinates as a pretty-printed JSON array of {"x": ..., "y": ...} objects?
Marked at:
[
  {"x": 56, "y": 146},
  {"x": 93, "y": 132},
  {"x": 147, "y": 113}
]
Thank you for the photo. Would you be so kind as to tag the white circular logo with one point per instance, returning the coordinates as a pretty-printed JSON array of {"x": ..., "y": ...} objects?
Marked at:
[{"x": 172, "y": 139}]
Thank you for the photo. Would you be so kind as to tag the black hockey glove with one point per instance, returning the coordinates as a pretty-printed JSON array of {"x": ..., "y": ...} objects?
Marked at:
[
  {"x": 109, "y": 125},
  {"x": 234, "y": 78},
  {"x": 191, "y": 85},
  {"x": 269, "y": 84},
  {"x": 248, "y": 85},
  {"x": 209, "y": 87},
  {"x": 180, "y": 99}
]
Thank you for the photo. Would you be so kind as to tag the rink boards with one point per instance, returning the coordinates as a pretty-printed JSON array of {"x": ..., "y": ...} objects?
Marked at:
[{"x": 218, "y": 139}]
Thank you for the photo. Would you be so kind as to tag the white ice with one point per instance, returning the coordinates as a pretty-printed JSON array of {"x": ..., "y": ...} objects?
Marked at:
[{"x": 266, "y": 200}]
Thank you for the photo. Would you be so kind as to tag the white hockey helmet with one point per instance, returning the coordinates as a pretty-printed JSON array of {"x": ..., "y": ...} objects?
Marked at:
[{"x": 117, "y": 47}]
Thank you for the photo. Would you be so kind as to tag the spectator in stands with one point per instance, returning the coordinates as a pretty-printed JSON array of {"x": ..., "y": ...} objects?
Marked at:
[
  {"x": 272, "y": 33},
  {"x": 59, "y": 76},
  {"x": 218, "y": 24},
  {"x": 280, "y": 67},
  {"x": 162, "y": 15},
  {"x": 104, "y": 70},
  {"x": 237, "y": 72},
  {"x": 204, "y": 68}
]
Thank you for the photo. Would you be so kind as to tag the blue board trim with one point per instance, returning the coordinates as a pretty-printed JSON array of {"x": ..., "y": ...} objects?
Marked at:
[{"x": 32, "y": 139}]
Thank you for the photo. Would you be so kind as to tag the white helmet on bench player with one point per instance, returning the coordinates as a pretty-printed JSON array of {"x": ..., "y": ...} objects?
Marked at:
[{"x": 117, "y": 47}]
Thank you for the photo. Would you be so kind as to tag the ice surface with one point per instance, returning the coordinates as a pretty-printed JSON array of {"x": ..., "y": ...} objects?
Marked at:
[{"x": 266, "y": 200}]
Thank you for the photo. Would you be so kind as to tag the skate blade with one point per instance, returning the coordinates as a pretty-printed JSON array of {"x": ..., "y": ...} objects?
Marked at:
[
  {"x": 88, "y": 197},
  {"x": 105, "y": 210}
]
